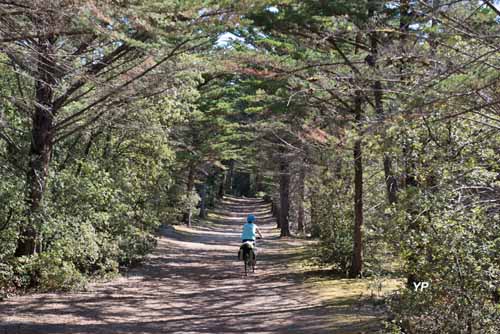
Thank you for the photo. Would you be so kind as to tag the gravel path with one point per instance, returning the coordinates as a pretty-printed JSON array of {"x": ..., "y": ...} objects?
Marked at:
[{"x": 193, "y": 283}]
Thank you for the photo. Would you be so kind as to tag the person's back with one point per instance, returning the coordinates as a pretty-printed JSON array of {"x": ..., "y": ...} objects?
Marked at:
[
  {"x": 248, "y": 233},
  {"x": 250, "y": 229}
]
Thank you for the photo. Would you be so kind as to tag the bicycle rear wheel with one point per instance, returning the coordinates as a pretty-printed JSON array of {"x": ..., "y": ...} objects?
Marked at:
[{"x": 245, "y": 261}]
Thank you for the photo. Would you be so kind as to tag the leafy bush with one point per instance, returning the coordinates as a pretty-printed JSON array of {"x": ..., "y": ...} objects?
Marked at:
[
  {"x": 54, "y": 273},
  {"x": 333, "y": 218},
  {"x": 457, "y": 252}
]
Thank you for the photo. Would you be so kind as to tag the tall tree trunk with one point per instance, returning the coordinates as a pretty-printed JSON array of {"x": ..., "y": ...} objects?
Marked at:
[
  {"x": 300, "y": 204},
  {"x": 276, "y": 210},
  {"x": 357, "y": 254},
  {"x": 404, "y": 23},
  {"x": 189, "y": 188},
  {"x": 86, "y": 152},
  {"x": 203, "y": 201},
  {"x": 230, "y": 177},
  {"x": 41, "y": 145},
  {"x": 315, "y": 227},
  {"x": 258, "y": 181},
  {"x": 211, "y": 190},
  {"x": 222, "y": 184},
  {"x": 284, "y": 196},
  {"x": 390, "y": 179},
  {"x": 409, "y": 177},
  {"x": 276, "y": 202}
]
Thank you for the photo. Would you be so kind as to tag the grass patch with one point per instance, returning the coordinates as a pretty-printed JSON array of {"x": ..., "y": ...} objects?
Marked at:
[
  {"x": 354, "y": 290},
  {"x": 354, "y": 305}
]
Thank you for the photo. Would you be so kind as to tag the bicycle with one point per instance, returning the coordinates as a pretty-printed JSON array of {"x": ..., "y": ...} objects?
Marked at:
[{"x": 249, "y": 258}]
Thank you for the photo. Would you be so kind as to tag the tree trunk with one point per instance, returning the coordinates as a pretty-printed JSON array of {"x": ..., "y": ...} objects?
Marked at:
[
  {"x": 315, "y": 227},
  {"x": 189, "y": 188},
  {"x": 41, "y": 145},
  {"x": 230, "y": 177},
  {"x": 275, "y": 208},
  {"x": 301, "y": 192},
  {"x": 203, "y": 201},
  {"x": 284, "y": 196},
  {"x": 258, "y": 181},
  {"x": 409, "y": 178},
  {"x": 390, "y": 179},
  {"x": 106, "y": 152},
  {"x": 357, "y": 254},
  {"x": 221, "y": 191},
  {"x": 276, "y": 202},
  {"x": 86, "y": 153}
]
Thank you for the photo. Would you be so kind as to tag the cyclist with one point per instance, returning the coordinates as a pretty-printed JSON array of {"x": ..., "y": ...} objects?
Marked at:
[{"x": 248, "y": 235}]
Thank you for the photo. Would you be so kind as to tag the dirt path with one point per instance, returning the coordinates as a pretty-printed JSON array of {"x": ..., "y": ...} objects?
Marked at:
[{"x": 193, "y": 283}]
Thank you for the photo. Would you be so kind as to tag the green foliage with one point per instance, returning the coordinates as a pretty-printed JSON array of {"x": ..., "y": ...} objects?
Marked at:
[
  {"x": 332, "y": 219},
  {"x": 108, "y": 191},
  {"x": 130, "y": 155},
  {"x": 454, "y": 246},
  {"x": 52, "y": 272}
]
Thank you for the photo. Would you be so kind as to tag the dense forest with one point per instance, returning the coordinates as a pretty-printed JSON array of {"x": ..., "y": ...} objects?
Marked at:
[{"x": 371, "y": 126}]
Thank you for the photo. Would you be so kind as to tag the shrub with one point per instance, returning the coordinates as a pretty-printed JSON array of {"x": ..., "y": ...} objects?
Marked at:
[
  {"x": 333, "y": 218},
  {"x": 54, "y": 273},
  {"x": 457, "y": 253}
]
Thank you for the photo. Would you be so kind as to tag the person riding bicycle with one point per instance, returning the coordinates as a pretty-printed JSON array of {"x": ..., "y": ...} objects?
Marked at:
[
  {"x": 250, "y": 230},
  {"x": 248, "y": 251}
]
